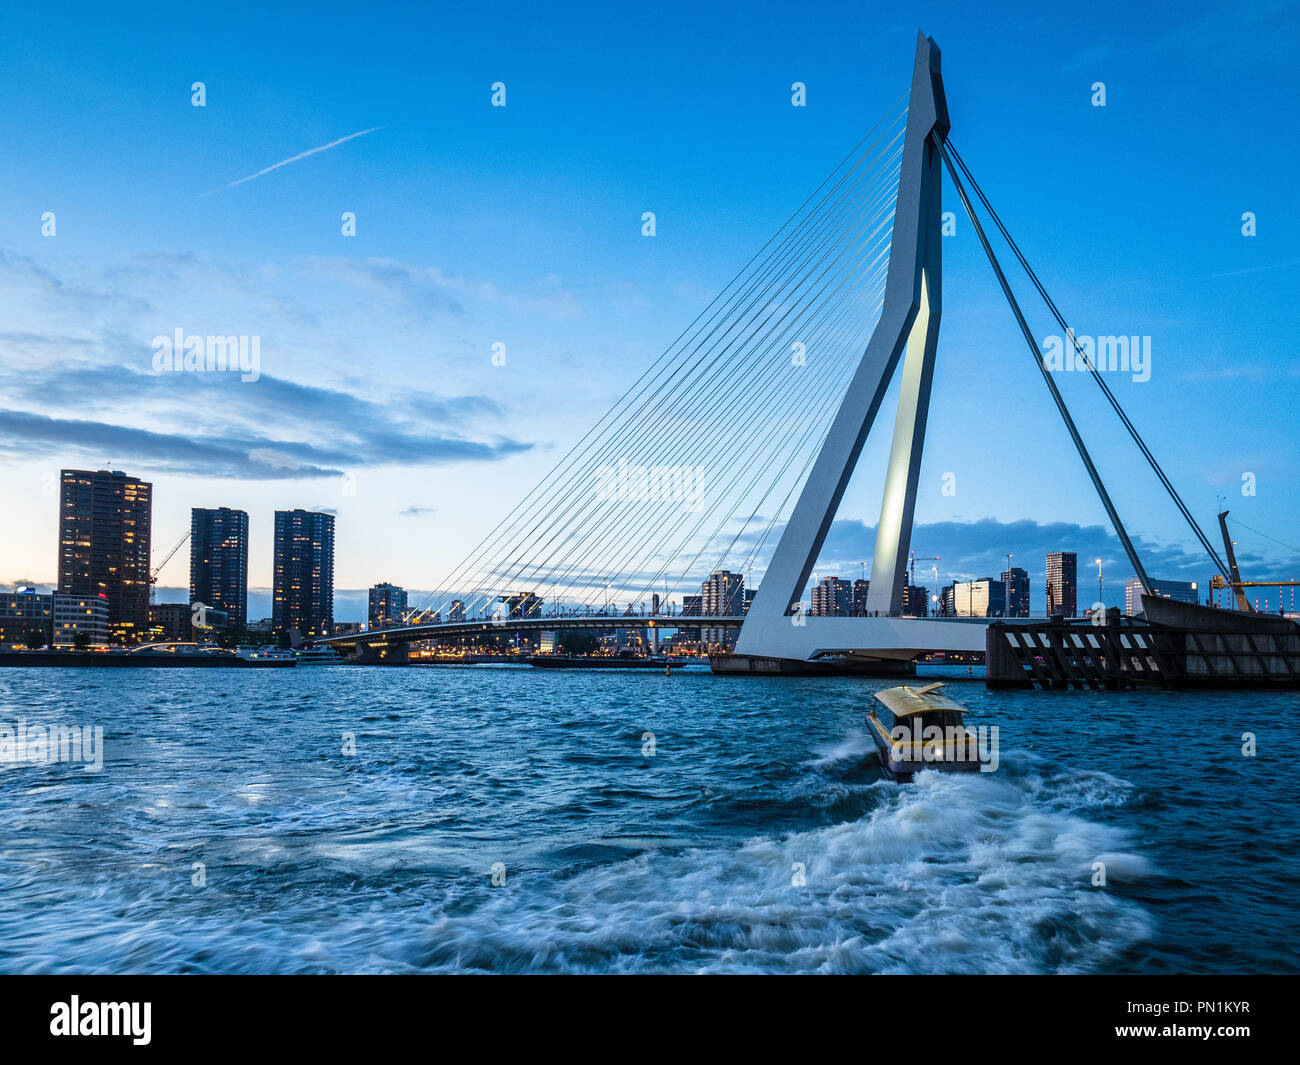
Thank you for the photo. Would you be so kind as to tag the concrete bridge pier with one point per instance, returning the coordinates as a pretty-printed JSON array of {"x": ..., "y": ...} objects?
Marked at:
[{"x": 387, "y": 654}]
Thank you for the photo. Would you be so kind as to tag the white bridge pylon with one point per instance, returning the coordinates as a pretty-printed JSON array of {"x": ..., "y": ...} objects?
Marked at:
[{"x": 907, "y": 330}]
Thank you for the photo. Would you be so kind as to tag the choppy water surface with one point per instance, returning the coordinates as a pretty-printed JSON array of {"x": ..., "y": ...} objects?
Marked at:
[{"x": 615, "y": 861}]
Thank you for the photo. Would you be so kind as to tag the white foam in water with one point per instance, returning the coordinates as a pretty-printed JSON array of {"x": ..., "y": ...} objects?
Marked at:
[
  {"x": 854, "y": 747},
  {"x": 953, "y": 873}
]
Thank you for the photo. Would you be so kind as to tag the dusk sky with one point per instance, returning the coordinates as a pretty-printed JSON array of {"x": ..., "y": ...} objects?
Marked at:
[{"x": 475, "y": 225}]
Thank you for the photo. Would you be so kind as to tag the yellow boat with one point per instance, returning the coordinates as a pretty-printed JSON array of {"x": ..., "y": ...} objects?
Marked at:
[{"x": 925, "y": 730}]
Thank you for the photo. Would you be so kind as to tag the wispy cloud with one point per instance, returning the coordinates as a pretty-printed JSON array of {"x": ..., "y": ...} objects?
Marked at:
[
  {"x": 426, "y": 289},
  {"x": 212, "y": 424},
  {"x": 294, "y": 159},
  {"x": 216, "y": 452}
]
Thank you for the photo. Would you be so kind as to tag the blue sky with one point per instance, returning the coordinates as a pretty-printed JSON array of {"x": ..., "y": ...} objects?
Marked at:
[{"x": 521, "y": 225}]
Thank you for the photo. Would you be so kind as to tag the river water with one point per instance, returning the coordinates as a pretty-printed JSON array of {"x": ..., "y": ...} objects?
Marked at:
[{"x": 231, "y": 829}]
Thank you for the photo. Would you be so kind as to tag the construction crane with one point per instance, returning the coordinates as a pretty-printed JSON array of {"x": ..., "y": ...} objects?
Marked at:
[
  {"x": 924, "y": 558},
  {"x": 153, "y": 577}
]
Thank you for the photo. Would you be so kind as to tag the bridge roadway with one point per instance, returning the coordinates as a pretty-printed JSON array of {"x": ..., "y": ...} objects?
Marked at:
[
  {"x": 804, "y": 637},
  {"x": 552, "y": 623}
]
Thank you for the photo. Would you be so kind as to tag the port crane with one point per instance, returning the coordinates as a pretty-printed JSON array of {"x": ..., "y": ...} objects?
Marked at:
[{"x": 1236, "y": 583}]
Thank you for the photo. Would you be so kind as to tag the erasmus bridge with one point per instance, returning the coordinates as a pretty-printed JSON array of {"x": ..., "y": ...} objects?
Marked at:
[{"x": 729, "y": 451}]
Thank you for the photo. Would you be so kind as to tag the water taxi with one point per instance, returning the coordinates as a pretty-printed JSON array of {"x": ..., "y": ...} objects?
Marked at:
[{"x": 924, "y": 730}]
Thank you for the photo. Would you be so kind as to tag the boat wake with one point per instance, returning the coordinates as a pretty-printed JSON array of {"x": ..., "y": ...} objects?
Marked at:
[{"x": 950, "y": 874}]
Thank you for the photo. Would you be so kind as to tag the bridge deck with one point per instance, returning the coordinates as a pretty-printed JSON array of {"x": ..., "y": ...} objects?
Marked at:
[
  {"x": 478, "y": 626},
  {"x": 804, "y": 637}
]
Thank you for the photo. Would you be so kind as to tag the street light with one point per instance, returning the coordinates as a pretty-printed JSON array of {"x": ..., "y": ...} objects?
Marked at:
[{"x": 1099, "y": 598}]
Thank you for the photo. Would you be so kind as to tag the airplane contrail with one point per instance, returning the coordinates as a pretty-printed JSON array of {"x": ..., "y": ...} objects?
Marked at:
[
  {"x": 1259, "y": 269},
  {"x": 294, "y": 159}
]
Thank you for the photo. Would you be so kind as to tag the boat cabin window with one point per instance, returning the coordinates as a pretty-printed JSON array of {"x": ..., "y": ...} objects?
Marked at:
[{"x": 944, "y": 719}]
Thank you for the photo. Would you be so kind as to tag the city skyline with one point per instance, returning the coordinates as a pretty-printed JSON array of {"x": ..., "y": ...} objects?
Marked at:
[
  {"x": 563, "y": 278},
  {"x": 357, "y": 604}
]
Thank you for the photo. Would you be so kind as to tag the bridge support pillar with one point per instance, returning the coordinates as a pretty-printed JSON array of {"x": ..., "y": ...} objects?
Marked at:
[{"x": 909, "y": 320}]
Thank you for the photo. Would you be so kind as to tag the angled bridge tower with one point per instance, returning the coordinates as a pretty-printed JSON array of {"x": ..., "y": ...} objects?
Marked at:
[{"x": 907, "y": 330}]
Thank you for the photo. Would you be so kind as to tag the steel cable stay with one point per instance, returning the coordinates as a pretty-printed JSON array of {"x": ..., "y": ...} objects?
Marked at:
[
  {"x": 697, "y": 387},
  {"x": 777, "y": 375},
  {"x": 843, "y": 367},
  {"x": 757, "y": 303},
  {"x": 573, "y": 541},
  {"x": 772, "y": 374},
  {"x": 705, "y": 389},
  {"x": 758, "y": 462},
  {"x": 567, "y": 523},
  {"x": 1061, "y": 407},
  {"x": 1088, "y": 362},
  {"x": 650, "y": 381},
  {"x": 738, "y": 449},
  {"x": 756, "y": 551},
  {"x": 650, "y": 584},
  {"x": 1242, "y": 524},
  {"x": 647, "y": 380}
]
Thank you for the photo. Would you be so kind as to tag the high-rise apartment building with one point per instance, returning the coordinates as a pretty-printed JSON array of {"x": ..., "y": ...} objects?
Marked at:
[
  {"x": 302, "y": 595},
  {"x": 219, "y": 562},
  {"x": 104, "y": 532},
  {"x": 832, "y": 597},
  {"x": 916, "y": 601},
  {"x": 1062, "y": 584},
  {"x": 1015, "y": 588},
  {"x": 387, "y": 605},
  {"x": 860, "y": 590},
  {"x": 722, "y": 594}
]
